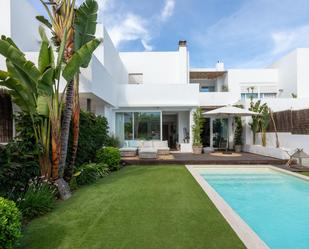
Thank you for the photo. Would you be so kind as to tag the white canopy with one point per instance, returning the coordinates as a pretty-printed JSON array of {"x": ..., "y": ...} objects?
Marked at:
[{"x": 229, "y": 111}]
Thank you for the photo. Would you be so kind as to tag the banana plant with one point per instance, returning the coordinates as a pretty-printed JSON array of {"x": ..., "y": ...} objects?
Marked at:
[
  {"x": 27, "y": 85},
  {"x": 78, "y": 52}
]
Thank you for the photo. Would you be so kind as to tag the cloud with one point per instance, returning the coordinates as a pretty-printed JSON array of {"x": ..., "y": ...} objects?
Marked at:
[
  {"x": 168, "y": 10},
  {"x": 257, "y": 33},
  {"x": 131, "y": 28},
  {"x": 125, "y": 26},
  {"x": 285, "y": 41}
]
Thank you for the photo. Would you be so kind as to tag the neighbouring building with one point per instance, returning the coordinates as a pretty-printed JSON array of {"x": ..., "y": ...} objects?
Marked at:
[{"x": 152, "y": 95}]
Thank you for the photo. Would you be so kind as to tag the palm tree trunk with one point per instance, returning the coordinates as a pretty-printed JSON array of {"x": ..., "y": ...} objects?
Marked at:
[
  {"x": 65, "y": 127},
  {"x": 75, "y": 120},
  {"x": 55, "y": 148}
]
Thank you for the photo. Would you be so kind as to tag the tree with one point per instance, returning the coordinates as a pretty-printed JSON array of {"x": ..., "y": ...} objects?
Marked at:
[{"x": 80, "y": 43}]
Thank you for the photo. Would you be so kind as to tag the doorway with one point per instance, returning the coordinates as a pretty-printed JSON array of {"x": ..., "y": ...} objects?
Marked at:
[{"x": 170, "y": 129}]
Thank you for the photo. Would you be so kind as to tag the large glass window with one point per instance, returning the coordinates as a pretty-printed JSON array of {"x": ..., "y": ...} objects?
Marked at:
[
  {"x": 147, "y": 125},
  {"x": 138, "y": 126}
]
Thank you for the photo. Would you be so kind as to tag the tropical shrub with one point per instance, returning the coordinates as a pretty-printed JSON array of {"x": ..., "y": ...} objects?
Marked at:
[
  {"x": 10, "y": 223},
  {"x": 197, "y": 127},
  {"x": 87, "y": 174},
  {"x": 93, "y": 134},
  {"x": 39, "y": 198},
  {"x": 113, "y": 141},
  {"x": 102, "y": 169},
  {"x": 109, "y": 156},
  {"x": 238, "y": 131},
  {"x": 18, "y": 166}
]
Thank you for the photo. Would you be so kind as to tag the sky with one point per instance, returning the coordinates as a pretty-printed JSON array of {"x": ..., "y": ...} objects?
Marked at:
[{"x": 241, "y": 33}]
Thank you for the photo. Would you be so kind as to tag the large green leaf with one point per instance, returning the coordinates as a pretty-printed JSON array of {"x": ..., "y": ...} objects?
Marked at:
[
  {"x": 43, "y": 105},
  {"x": 18, "y": 92},
  {"x": 85, "y": 23},
  {"x": 81, "y": 58},
  {"x": 14, "y": 55},
  {"x": 44, "y": 21},
  {"x": 46, "y": 82},
  {"x": 22, "y": 77},
  {"x": 46, "y": 57}
]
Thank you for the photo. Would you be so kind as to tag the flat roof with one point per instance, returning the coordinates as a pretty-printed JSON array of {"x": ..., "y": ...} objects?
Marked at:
[{"x": 206, "y": 75}]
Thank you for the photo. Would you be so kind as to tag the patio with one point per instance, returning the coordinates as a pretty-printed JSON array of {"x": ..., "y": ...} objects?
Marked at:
[{"x": 212, "y": 158}]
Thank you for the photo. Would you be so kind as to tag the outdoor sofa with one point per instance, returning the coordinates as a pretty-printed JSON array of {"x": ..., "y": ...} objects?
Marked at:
[{"x": 145, "y": 149}]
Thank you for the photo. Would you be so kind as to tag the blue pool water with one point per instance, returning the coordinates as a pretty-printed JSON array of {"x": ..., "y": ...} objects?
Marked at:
[{"x": 274, "y": 204}]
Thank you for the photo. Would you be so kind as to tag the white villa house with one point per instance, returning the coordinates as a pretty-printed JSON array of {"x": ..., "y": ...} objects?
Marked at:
[{"x": 152, "y": 95}]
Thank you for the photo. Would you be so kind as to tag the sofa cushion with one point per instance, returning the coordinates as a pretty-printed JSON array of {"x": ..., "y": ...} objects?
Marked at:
[
  {"x": 148, "y": 144},
  {"x": 148, "y": 150},
  {"x": 132, "y": 144},
  {"x": 160, "y": 144},
  {"x": 139, "y": 143}
]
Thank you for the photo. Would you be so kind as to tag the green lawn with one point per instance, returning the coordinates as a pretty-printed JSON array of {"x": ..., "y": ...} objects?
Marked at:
[
  {"x": 305, "y": 173},
  {"x": 137, "y": 207}
]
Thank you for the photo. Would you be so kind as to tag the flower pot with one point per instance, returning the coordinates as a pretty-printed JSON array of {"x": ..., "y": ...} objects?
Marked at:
[
  {"x": 238, "y": 148},
  {"x": 197, "y": 149}
]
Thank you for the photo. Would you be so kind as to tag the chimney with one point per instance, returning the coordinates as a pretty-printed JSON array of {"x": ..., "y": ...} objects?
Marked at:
[
  {"x": 182, "y": 43},
  {"x": 220, "y": 66}
]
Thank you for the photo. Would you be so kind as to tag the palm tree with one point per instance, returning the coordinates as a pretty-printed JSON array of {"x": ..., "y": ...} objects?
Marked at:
[{"x": 85, "y": 28}]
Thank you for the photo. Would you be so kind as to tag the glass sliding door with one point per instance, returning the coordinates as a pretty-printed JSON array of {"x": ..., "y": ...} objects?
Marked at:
[
  {"x": 138, "y": 126},
  {"x": 220, "y": 133}
]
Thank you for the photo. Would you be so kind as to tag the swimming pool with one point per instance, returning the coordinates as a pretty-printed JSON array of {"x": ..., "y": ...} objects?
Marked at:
[{"x": 273, "y": 203}]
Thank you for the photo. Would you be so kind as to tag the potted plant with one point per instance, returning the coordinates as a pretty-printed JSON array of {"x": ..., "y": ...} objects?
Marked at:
[
  {"x": 197, "y": 129},
  {"x": 238, "y": 135}
]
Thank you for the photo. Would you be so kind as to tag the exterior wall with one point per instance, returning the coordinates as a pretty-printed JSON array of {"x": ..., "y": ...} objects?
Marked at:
[
  {"x": 112, "y": 61},
  {"x": 158, "y": 67},
  {"x": 288, "y": 142},
  {"x": 5, "y": 14},
  {"x": 287, "y": 74},
  {"x": 243, "y": 78},
  {"x": 303, "y": 73},
  {"x": 24, "y": 26},
  {"x": 151, "y": 95}
]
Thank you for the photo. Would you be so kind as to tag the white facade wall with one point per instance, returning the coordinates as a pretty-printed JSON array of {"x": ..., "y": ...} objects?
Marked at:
[
  {"x": 158, "y": 67},
  {"x": 151, "y": 95},
  {"x": 287, "y": 74},
  {"x": 303, "y": 73},
  {"x": 112, "y": 61},
  {"x": 238, "y": 78},
  {"x": 288, "y": 142}
]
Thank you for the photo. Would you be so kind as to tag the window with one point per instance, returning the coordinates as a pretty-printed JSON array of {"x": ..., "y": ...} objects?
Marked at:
[
  {"x": 207, "y": 89},
  {"x": 138, "y": 126},
  {"x": 268, "y": 95},
  {"x": 147, "y": 125},
  {"x": 88, "y": 105},
  {"x": 245, "y": 96},
  {"x": 135, "y": 78},
  {"x": 6, "y": 118}
]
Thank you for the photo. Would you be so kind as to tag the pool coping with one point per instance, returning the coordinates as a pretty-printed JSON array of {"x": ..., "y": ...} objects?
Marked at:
[{"x": 250, "y": 239}]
